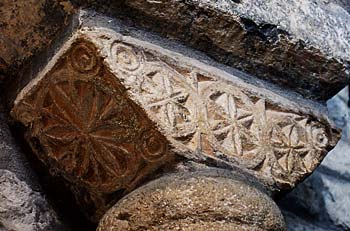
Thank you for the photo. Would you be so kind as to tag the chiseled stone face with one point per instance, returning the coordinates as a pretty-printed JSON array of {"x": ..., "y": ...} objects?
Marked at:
[
  {"x": 82, "y": 122},
  {"x": 108, "y": 109}
]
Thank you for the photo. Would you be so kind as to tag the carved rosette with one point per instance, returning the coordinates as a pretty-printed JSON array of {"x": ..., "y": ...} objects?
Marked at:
[
  {"x": 206, "y": 114},
  {"x": 94, "y": 118},
  {"x": 297, "y": 144},
  {"x": 81, "y": 121},
  {"x": 235, "y": 123}
]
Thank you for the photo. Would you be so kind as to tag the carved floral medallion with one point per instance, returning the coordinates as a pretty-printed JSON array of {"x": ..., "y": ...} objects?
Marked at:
[
  {"x": 102, "y": 121},
  {"x": 210, "y": 115},
  {"x": 85, "y": 125}
]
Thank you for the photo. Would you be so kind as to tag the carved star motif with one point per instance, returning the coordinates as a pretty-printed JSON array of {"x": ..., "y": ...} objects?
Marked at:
[
  {"x": 232, "y": 121},
  {"x": 167, "y": 98},
  {"x": 290, "y": 143}
]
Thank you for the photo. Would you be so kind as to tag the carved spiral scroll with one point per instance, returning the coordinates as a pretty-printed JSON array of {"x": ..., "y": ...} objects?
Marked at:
[
  {"x": 152, "y": 145},
  {"x": 83, "y": 58},
  {"x": 197, "y": 111},
  {"x": 126, "y": 58}
]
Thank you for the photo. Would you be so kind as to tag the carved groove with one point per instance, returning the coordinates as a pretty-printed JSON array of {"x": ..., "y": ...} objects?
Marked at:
[
  {"x": 206, "y": 114},
  {"x": 85, "y": 109},
  {"x": 87, "y": 126}
]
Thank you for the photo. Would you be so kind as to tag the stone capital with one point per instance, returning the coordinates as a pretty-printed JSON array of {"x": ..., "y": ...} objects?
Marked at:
[{"x": 115, "y": 107}]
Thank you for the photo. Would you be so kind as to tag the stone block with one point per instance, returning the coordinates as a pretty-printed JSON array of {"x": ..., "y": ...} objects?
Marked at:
[
  {"x": 300, "y": 45},
  {"x": 22, "y": 208},
  {"x": 321, "y": 202},
  {"x": 110, "y": 109}
]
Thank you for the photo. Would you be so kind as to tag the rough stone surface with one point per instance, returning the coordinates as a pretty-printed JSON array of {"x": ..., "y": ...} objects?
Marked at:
[
  {"x": 194, "y": 201},
  {"x": 11, "y": 156},
  {"x": 113, "y": 106},
  {"x": 303, "y": 45},
  {"x": 322, "y": 201},
  {"x": 300, "y": 45},
  {"x": 23, "y": 206},
  {"x": 344, "y": 3},
  {"x": 27, "y": 27},
  {"x": 110, "y": 109}
]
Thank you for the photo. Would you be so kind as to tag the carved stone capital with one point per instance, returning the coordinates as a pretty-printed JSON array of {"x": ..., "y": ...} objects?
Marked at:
[{"x": 109, "y": 109}]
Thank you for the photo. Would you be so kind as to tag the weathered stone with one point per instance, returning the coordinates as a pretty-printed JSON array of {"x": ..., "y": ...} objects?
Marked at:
[
  {"x": 116, "y": 107},
  {"x": 299, "y": 223},
  {"x": 109, "y": 109},
  {"x": 12, "y": 158},
  {"x": 321, "y": 202},
  {"x": 85, "y": 126},
  {"x": 27, "y": 27},
  {"x": 195, "y": 201},
  {"x": 23, "y": 205},
  {"x": 81, "y": 109},
  {"x": 344, "y": 3},
  {"x": 21, "y": 208},
  {"x": 300, "y": 45},
  {"x": 264, "y": 38}
]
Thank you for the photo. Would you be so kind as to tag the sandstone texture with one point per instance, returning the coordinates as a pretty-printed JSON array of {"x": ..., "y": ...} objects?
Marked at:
[
  {"x": 194, "y": 201},
  {"x": 28, "y": 27},
  {"x": 322, "y": 201},
  {"x": 109, "y": 103}
]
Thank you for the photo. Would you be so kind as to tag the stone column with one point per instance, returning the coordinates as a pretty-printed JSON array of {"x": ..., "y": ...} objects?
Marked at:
[
  {"x": 117, "y": 107},
  {"x": 201, "y": 200}
]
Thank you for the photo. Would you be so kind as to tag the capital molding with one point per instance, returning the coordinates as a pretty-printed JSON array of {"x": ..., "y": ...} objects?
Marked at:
[{"x": 110, "y": 109}]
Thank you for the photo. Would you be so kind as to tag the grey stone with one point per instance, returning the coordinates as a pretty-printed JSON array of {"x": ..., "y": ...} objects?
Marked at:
[
  {"x": 322, "y": 202},
  {"x": 21, "y": 208},
  {"x": 344, "y": 3},
  {"x": 312, "y": 59},
  {"x": 312, "y": 205},
  {"x": 12, "y": 158},
  {"x": 321, "y": 24},
  {"x": 299, "y": 224},
  {"x": 302, "y": 45},
  {"x": 209, "y": 90},
  {"x": 23, "y": 205}
]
